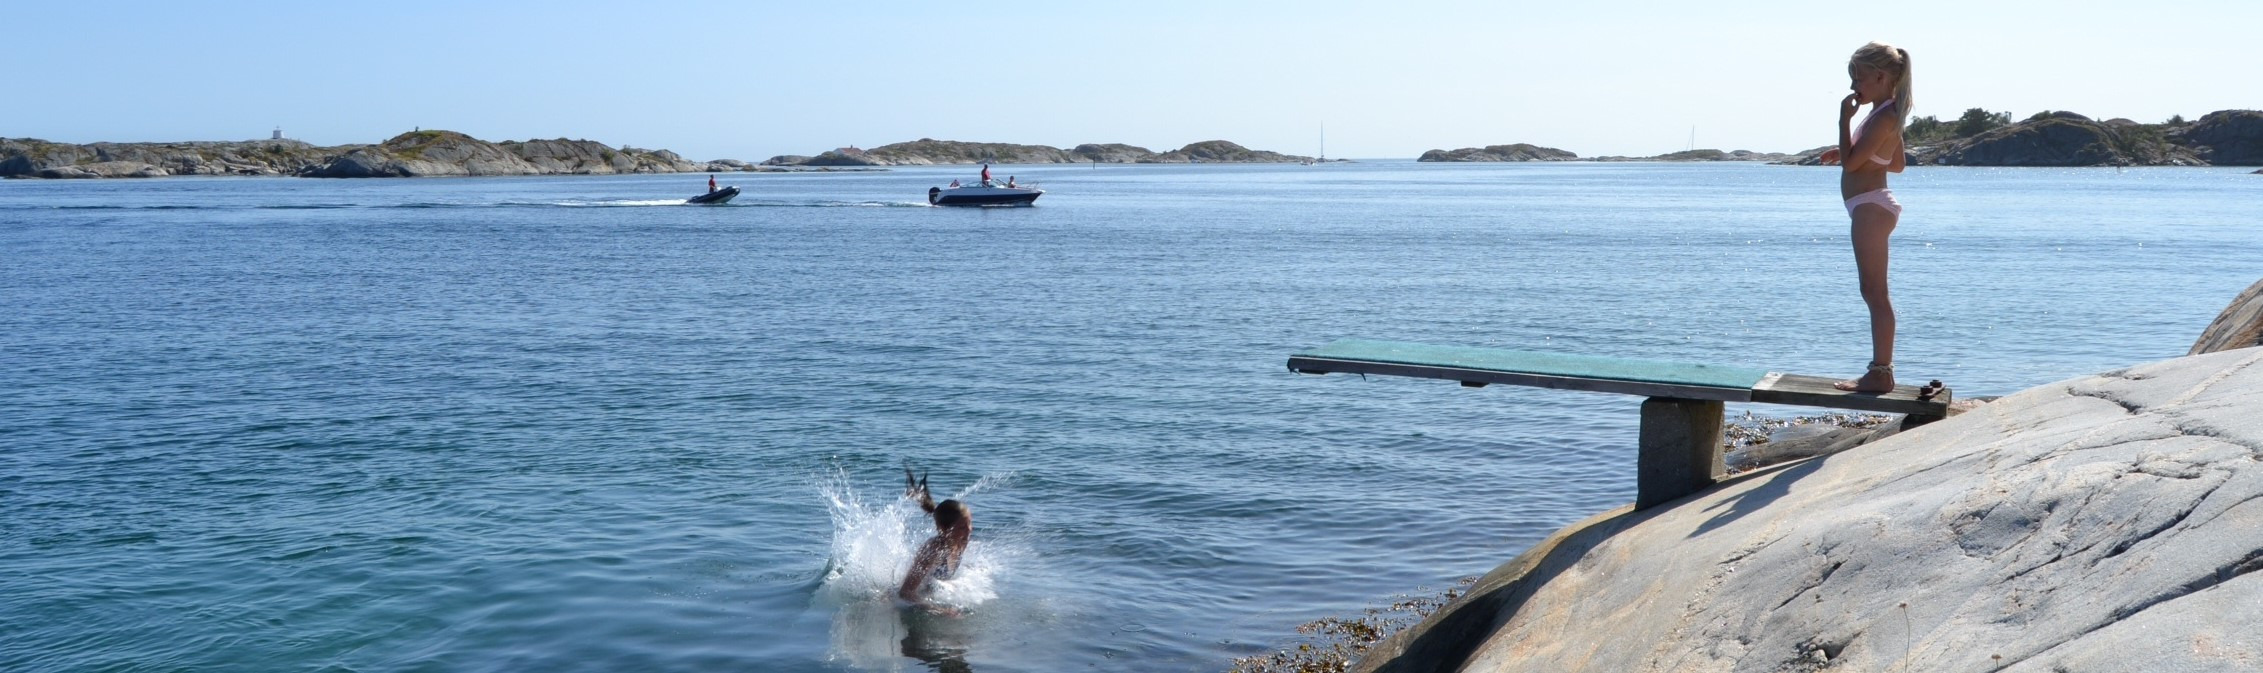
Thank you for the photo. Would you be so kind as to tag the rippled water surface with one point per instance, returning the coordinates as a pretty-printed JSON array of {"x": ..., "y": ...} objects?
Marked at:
[{"x": 557, "y": 424}]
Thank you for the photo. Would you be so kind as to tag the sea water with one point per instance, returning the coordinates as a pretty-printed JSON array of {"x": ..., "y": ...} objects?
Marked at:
[{"x": 566, "y": 424}]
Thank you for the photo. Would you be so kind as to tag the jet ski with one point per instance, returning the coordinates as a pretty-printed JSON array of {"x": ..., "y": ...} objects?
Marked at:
[{"x": 714, "y": 198}]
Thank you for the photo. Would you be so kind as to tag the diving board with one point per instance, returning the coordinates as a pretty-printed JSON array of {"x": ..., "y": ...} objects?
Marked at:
[{"x": 1680, "y": 444}]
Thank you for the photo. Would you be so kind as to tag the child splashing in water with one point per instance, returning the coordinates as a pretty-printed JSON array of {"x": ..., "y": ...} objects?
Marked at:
[
  {"x": 1880, "y": 74},
  {"x": 939, "y": 557}
]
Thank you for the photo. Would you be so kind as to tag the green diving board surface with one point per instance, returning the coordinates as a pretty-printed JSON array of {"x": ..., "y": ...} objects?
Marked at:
[{"x": 1649, "y": 378}]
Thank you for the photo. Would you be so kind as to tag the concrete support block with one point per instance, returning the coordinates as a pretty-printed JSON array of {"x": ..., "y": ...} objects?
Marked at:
[{"x": 1680, "y": 449}]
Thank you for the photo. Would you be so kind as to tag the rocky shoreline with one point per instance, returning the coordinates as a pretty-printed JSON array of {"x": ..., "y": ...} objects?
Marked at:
[
  {"x": 2221, "y": 138},
  {"x": 1516, "y": 618},
  {"x": 415, "y": 154},
  {"x": 424, "y": 153},
  {"x": 1529, "y": 152},
  {"x": 2099, "y": 523},
  {"x": 931, "y": 152}
]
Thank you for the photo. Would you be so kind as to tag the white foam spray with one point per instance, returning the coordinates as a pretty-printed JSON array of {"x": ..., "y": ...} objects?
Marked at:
[{"x": 872, "y": 548}]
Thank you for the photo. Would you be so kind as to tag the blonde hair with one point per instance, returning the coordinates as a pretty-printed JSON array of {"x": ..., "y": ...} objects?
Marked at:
[{"x": 1893, "y": 61}]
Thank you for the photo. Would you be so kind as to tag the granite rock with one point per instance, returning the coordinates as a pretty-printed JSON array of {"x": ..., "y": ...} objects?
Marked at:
[
  {"x": 929, "y": 151},
  {"x": 2064, "y": 139},
  {"x": 2102, "y": 523},
  {"x": 1220, "y": 152},
  {"x": 1511, "y": 152},
  {"x": 2240, "y": 325},
  {"x": 1110, "y": 153},
  {"x": 2052, "y": 141},
  {"x": 420, "y": 153},
  {"x": 2226, "y": 137}
]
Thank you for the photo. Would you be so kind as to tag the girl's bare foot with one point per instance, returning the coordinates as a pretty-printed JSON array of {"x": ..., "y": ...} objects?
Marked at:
[{"x": 1880, "y": 379}]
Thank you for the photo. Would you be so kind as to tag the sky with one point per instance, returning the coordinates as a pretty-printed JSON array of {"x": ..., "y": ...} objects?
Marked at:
[{"x": 750, "y": 80}]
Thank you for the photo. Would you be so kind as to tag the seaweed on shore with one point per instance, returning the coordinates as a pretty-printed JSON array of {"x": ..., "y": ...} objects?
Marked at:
[
  {"x": 1750, "y": 429},
  {"x": 1333, "y": 644}
]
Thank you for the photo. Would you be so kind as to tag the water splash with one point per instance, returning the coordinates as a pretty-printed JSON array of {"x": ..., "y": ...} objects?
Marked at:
[{"x": 872, "y": 547}]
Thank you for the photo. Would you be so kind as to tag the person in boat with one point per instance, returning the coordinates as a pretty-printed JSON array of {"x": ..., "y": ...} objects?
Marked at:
[
  {"x": 1867, "y": 152},
  {"x": 938, "y": 558},
  {"x": 1009, "y": 181},
  {"x": 711, "y": 183},
  {"x": 986, "y": 175}
]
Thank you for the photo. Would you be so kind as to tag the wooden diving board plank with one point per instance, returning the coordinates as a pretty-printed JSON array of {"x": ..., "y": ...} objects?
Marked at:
[
  {"x": 1525, "y": 368},
  {"x": 1649, "y": 378},
  {"x": 1679, "y": 449},
  {"x": 1817, "y": 391}
]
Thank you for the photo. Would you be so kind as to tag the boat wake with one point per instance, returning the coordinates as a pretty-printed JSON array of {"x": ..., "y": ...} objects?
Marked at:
[
  {"x": 606, "y": 204},
  {"x": 733, "y": 204},
  {"x": 565, "y": 203}
]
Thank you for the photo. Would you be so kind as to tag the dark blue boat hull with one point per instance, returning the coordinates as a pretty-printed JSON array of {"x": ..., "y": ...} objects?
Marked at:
[
  {"x": 948, "y": 199},
  {"x": 716, "y": 197}
]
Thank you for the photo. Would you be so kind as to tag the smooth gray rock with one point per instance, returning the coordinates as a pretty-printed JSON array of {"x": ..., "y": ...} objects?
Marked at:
[
  {"x": 2103, "y": 523},
  {"x": 65, "y": 173},
  {"x": 2240, "y": 325}
]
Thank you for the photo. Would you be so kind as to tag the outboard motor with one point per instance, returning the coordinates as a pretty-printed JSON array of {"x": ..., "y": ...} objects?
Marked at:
[{"x": 934, "y": 194}]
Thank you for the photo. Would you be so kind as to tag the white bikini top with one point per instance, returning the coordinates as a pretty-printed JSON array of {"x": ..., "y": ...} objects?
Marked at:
[{"x": 1874, "y": 110}]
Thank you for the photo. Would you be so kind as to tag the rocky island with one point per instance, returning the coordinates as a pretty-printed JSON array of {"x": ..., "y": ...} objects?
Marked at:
[
  {"x": 929, "y": 151},
  {"x": 1512, "y": 152},
  {"x": 2060, "y": 138},
  {"x": 2104, "y": 522},
  {"x": 415, "y": 154},
  {"x": 1980, "y": 138}
]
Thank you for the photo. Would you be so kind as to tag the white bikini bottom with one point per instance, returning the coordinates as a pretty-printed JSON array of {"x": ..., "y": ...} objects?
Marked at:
[{"x": 1882, "y": 197}]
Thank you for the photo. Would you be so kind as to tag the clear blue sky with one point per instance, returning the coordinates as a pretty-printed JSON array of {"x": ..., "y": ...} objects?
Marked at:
[{"x": 749, "y": 80}]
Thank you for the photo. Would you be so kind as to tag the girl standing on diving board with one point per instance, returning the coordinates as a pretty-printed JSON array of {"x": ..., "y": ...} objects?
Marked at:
[{"x": 1866, "y": 153}]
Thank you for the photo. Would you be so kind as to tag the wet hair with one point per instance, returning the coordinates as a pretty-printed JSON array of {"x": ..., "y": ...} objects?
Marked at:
[
  {"x": 1892, "y": 60},
  {"x": 949, "y": 514}
]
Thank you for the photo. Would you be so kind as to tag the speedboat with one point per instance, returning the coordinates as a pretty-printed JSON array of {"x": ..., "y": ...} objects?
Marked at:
[
  {"x": 983, "y": 194},
  {"x": 714, "y": 198},
  {"x": 987, "y": 192}
]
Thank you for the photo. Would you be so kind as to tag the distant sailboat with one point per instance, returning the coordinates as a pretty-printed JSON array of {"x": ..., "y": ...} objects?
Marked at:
[{"x": 1323, "y": 147}]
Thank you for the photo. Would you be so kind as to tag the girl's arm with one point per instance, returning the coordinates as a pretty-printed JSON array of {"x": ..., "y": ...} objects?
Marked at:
[
  {"x": 922, "y": 565},
  {"x": 1875, "y": 137},
  {"x": 1845, "y": 155}
]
